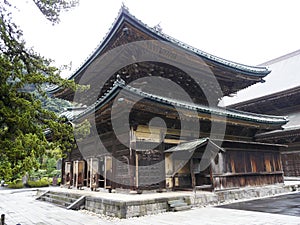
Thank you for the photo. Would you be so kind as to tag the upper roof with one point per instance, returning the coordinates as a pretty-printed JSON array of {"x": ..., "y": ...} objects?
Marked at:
[
  {"x": 284, "y": 77},
  {"x": 234, "y": 75},
  {"x": 124, "y": 15}
]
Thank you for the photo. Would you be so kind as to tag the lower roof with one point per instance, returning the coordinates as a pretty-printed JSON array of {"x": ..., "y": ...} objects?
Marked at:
[
  {"x": 119, "y": 84},
  {"x": 192, "y": 145}
]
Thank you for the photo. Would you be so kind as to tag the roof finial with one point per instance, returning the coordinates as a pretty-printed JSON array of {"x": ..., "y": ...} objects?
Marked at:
[
  {"x": 158, "y": 27},
  {"x": 124, "y": 7},
  {"x": 119, "y": 80}
]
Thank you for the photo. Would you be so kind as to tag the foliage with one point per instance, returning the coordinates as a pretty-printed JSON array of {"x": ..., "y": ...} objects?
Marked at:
[
  {"x": 38, "y": 183},
  {"x": 81, "y": 130},
  {"x": 47, "y": 169},
  {"x": 15, "y": 184},
  {"x": 55, "y": 173},
  {"x": 51, "y": 9},
  {"x": 27, "y": 130},
  {"x": 38, "y": 174},
  {"x": 56, "y": 105}
]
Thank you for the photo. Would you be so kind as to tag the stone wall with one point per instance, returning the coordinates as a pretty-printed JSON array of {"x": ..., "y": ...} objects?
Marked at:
[
  {"x": 228, "y": 196},
  {"x": 127, "y": 209}
]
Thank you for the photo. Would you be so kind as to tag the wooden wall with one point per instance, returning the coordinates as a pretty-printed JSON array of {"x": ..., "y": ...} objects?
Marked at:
[
  {"x": 291, "y": 164},
  {"x": 234, "y": 168}
]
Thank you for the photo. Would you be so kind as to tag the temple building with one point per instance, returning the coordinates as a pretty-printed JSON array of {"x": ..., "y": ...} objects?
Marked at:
[
  {"x": 155, "y": 120},
  {"x": 280, "y": 96}
]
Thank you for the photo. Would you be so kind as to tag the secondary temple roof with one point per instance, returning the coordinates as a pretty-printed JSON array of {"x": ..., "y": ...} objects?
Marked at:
[
  {"x": 231, "y": 76},
  {"x": 284, "y": 77}
]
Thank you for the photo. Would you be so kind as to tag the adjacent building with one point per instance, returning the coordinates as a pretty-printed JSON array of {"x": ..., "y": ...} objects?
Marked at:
[{"x": 280, "y": 96}]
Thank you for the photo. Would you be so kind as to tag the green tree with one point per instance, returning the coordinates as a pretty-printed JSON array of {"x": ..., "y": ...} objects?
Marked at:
[
  {"x": 27, "y": 130},
  {"x": 56, "y": 105}
]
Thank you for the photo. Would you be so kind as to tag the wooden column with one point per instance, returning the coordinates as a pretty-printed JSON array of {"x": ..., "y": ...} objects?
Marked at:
[
  {"x": 63, "y": 172},
  {"x": 132, "y": 146},
  {"x": 136, "y": 170},
  {"x": 162, "y": 184},
  {"x": 75, "y": 165},
  {"x": 113, "y": 175},
  {"x": 90, "y": 169},
  {"x": 193, "y": 178},
  {"x": 2, "y": 219}
]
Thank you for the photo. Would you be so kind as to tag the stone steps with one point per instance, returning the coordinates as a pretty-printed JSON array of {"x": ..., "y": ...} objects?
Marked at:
[
  {"x": 178, "y": 205},
  {"x": 63, "y": 199}
]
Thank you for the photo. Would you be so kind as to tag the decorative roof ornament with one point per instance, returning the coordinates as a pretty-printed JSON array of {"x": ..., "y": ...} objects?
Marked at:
[
  {"x": 124, "y": 7},
  {"x": 158, "y": 27},
  {"x": 119, "y": 80}
]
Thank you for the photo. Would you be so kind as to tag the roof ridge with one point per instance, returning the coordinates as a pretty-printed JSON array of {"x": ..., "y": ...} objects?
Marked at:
[{"x": 281, "y": 58}]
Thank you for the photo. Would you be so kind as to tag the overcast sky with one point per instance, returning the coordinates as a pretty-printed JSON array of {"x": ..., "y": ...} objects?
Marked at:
[{"x": 249, "y": 32}]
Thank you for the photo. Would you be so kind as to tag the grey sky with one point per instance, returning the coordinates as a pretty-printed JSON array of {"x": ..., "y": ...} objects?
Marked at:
[{"x": 248, "y": 32}]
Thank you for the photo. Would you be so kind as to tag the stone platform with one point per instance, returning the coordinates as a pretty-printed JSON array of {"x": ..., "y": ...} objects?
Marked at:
[{"x": 124, "y": 205}]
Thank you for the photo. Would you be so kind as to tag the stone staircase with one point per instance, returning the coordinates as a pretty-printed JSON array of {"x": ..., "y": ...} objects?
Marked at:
[
  {"x": 63, "y": 199},
  {"x": 178, "y": 205}
]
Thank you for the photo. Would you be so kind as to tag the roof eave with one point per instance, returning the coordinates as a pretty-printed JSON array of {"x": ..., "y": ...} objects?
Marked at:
[{"x": 233, "y": 114}]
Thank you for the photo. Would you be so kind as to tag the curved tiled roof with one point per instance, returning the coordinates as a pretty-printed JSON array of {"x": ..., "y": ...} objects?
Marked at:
[
  {"x": 124, "y": 15},
  {"x": 254, "y": 70},
  {"x": 228, "y": 113}
]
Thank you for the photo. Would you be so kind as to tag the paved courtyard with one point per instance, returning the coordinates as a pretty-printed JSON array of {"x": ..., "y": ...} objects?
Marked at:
[
  {"x": 21, "y": 207},
  {"x": 283, "y": 204}
]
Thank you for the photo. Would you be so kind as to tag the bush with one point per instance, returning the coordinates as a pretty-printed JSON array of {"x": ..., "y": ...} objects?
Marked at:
[
  {"x": 38, "y": 174},
  {"x": 15, "y": 184},
  {"x": 38, "y": 183},
  {"x": 55, "y": 173}
]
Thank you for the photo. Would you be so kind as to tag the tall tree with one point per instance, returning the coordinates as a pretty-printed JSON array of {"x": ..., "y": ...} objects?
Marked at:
[{"x": 24, "y": 123}]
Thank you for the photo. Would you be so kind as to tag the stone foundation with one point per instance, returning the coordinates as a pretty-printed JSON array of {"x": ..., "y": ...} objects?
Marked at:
[
  {"x": 127, "y": 209},
  {"x": 159, "y": 203},
  {"x": 251, "y": 192}
]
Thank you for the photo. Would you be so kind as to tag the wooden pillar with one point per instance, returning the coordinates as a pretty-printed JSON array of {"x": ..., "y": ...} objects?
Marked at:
[
  {"x": 211, "y": 177},
  {"x": 107, "y": 171},
  {"x": 75, "y": 174},
  {"x": 132, "y": 146},
  {"x": 90, "y": 165},
  {"x": 113, "y": 175},
  {"x": 2, "y": 219},
  {"x": 162, "y": 184},
  {"x": 193, "y": 178},
  {"x": 63, "y": 171},
  {"x": 136, "y": 170},
  {"x": 173, "y": 183}
]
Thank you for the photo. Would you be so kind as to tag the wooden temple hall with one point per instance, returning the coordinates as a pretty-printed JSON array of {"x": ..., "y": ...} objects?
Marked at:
[{"x": 159, "y": 147}]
